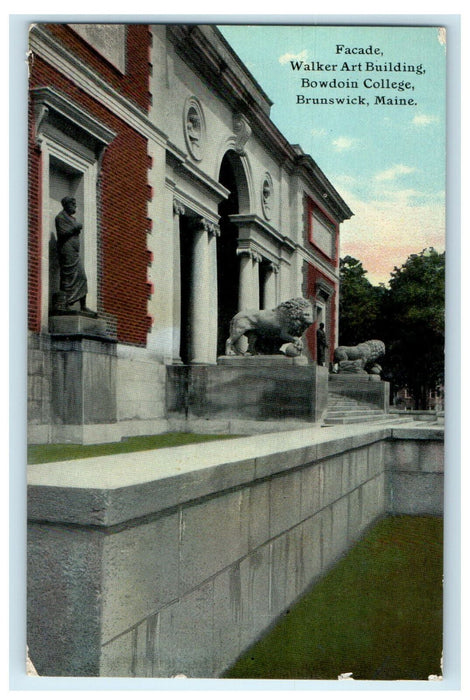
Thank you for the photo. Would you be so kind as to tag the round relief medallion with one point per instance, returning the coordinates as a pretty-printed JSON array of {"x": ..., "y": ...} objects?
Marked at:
[
  {"x": 267, "y": 194},
  {"x": 194, "y": 128}
]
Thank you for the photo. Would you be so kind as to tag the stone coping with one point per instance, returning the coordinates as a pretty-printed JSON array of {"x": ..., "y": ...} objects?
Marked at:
[{"x": 106, "y": 491}]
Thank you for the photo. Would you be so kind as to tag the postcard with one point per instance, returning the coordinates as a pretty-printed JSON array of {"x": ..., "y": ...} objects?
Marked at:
[{"x": 236, "y": 388}]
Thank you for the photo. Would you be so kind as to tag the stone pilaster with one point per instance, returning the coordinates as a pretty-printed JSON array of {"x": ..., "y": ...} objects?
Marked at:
[
  {"x": 269, "y": 291},
  {"x": 255, "y": 261},
  {"x": 200, "y": 310},
  {"x": 245, "y": 288},
  {"x": 178, "y": 210},
  {"x": 213, "y": 232}
]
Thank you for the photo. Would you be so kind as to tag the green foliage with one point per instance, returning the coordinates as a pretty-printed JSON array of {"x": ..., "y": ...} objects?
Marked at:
[
  {"x": 39, "y": 454},
  {"x": 414, "y": 308},
  {"x": 408, "y": 316},
  {"x": 374, "y": 614},
  {"x": 359, "y": 304}
]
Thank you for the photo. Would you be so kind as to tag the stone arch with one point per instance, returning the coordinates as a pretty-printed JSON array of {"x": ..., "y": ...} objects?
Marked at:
[
  {"x": 244, "y": 176},
  {"x": 232, "y": 175}
]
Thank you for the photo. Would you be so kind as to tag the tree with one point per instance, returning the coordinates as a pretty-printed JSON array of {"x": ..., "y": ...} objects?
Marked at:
[
  {"x": 413, "y": 308},
  {"x": 359, "y": 304}
]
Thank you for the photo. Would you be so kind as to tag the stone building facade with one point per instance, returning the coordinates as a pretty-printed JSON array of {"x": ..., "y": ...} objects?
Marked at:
[{"x": 194, "y": 206}]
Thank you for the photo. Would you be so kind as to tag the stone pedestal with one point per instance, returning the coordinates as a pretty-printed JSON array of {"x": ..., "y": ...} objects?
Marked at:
[
  {"x": 252, "y": 388},
  {"x": 78, "y": 325},
  {"x": 369, "y": 389},
  {"x": 83, "y": 370}
]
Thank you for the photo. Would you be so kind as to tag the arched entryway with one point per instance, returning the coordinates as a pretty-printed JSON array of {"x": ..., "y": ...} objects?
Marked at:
[{"x": 232, "y": 177}]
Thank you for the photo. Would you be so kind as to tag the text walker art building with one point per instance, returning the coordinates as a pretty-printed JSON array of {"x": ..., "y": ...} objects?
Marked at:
[{"x": 193, "y": 205}]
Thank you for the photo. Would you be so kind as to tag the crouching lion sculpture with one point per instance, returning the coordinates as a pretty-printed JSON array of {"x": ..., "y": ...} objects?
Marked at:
[
  {"x": 267, "y": 330},
  {"x": 360, "y": 359}
]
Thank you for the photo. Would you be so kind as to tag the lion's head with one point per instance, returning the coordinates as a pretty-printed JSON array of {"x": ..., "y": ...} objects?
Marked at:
[
  {"x": 295, "y": 315},
  {"x": 376, "y": 349}
]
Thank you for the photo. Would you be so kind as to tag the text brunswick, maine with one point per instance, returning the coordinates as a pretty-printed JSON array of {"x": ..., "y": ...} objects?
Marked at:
[
  {"x": 385, "y": 84},
  {"x": 357, "y": 100}
]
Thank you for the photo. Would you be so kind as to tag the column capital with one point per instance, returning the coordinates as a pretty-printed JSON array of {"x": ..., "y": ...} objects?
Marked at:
[
  {"x": 178, "y": 208},
  {"x": 252, "y": 254},
  {"x": 244, "y": 251},
  {"x": 199, "y": 223},
  {"x": 274, "y": 267},
  {"x": 212, "y": 228}
]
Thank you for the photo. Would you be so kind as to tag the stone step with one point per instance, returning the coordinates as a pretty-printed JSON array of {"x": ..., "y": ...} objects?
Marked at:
[
  {"x": 347, "y": 420},
  {"x": 365, "y": 412},
  {"x": 342, "y": 404},
  {"x": 349, "y": 409},
  {"x": 382, "y": 418}
]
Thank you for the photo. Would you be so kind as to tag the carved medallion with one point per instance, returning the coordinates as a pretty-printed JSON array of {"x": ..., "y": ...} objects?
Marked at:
[
  {"x": 194, "y": 128},
  {"x": 267, "y": 193}
]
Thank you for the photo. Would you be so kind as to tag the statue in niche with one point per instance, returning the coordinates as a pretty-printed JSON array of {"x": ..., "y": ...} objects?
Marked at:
[
  {"x": 360, "y": 359},
  {"x": 271, "y": 331},
  {"x": 73, "y": 281}
]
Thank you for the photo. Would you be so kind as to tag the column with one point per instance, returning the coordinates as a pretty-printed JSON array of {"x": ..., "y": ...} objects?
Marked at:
[
  {"x": 245, "y": 288},
  {"x": 199, "y": 312},
  {"x": 269, "y": 292},
  {"x": 178, "y": 210},
  {"x": 214, "y": 233},
  {"x": 255, "y": 261}
]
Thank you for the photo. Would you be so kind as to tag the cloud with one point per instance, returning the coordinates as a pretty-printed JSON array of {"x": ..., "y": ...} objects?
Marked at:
[
  {"x": 343, "y": 143},
  {"x": 424, "y": 119},
  {"x": 394, "y": 172},
  {"x": 285, "y": 58},
  {"x": 345, "y": 180},
  {"x": 319, "y": 132},
  {"x": 384, "y": 231}
]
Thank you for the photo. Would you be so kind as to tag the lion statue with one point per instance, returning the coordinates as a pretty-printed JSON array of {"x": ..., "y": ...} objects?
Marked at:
[
  {"x": 269, "y": 329},
  {"x": 359, "y": 359}
]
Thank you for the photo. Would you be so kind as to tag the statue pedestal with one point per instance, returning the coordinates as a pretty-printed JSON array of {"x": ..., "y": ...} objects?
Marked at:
[
  {"x": 79, "y": 324},
  {"x": 261, "y": 361},
  {"x": 83, "y": 356},
  {"x": 248, "y": 388},
  {"x": 369, "y": 389}
]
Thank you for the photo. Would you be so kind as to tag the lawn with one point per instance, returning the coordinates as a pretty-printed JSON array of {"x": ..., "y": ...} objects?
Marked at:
[
  {"x": 38, "y": 454},
  {"x": 377, "y": 614}
]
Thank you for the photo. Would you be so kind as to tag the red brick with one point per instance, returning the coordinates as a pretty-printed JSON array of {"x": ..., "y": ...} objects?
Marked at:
[{"x": 122, "y": 193}]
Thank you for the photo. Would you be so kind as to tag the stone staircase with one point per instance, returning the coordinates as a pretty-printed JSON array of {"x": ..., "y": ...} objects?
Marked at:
[{"x": 342, "y": 410}]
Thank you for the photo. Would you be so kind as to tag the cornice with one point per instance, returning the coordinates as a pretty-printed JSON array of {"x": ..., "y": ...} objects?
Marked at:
[
  {"x": 322, "y": 187},
  {"x": 44, "y": 45},
  {"x": 253, "y": 220},
  {"x": 329, "y": 270},
  {"x": 185, "y": 204},
  {"x": 223, "y": 72},
  {"x": 183, "y": 166},
  {"x": 47, "y": 100}
]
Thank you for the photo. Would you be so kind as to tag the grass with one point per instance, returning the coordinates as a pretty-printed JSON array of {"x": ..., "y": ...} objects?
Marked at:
[
  {"x": 39, "y": 454},
  {"x": 377, "y": 613}
]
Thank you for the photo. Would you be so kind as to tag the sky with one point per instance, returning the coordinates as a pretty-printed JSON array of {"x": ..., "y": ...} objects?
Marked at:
[{"x": 387, "y": 161}]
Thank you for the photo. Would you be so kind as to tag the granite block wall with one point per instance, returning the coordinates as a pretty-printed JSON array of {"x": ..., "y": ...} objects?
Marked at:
[{"x": 196, "y": 551}]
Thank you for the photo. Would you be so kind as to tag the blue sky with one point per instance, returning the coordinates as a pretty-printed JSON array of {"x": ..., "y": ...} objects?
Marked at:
[{"x": 387, "y": 161}]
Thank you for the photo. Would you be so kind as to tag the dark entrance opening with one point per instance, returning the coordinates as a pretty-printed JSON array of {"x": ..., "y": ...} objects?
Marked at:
[
  {"x": 227, "y": 259},
  {"x": 264, "y": 272}
]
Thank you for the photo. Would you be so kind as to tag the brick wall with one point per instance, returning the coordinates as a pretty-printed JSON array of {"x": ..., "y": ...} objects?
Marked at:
[
  {"x": 34, "y": 229},
  {"x": 134, "y": 84},
  {"x": 123, "y": 191}
]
